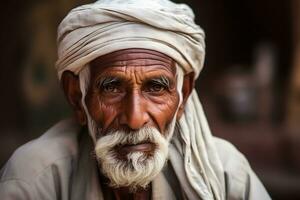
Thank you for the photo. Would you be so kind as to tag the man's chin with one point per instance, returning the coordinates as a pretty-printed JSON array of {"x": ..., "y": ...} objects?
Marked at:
[
  {"x": 136, "y": 172},
  {"x": 132, "y": 159}
]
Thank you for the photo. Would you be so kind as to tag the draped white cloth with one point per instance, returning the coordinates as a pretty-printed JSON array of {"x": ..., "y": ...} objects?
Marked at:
[
  {"x": 93, "y": 30},
  {"x": 106, "y": 26}
]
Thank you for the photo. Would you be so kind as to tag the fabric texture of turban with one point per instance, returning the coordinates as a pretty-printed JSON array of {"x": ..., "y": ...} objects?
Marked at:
[
  {"x": 96, "y": 29},
  {"x": 106, "y": 26}
]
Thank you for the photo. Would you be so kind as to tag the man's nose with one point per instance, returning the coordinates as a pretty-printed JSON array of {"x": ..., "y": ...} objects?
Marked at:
[{"x": 135, "y": 114}]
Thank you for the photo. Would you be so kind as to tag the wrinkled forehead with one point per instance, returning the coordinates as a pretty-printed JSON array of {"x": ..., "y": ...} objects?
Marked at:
[{"x": 133, "y": 58}]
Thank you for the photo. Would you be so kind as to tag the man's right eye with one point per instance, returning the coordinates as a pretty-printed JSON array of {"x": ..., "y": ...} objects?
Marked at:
[
  {"x": 109, "y": 85},
  {"x": 110, "y": 88}
]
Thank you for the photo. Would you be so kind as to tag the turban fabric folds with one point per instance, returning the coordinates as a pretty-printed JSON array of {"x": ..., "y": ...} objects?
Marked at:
[{"x": 105, "y": 26}]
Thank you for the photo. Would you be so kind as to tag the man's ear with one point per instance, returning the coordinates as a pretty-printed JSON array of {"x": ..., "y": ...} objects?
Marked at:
[
  {"x": 71, "y": 87},
  {"x": 187, "y": 88}
]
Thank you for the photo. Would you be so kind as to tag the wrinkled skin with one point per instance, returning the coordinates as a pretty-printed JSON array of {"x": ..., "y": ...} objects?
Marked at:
[
  {"x": 136, "y": 99},
  {"x": 129, "y": 89}
]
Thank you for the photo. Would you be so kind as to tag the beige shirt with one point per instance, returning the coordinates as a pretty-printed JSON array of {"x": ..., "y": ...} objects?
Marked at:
[{"x": 60, "y": 165}]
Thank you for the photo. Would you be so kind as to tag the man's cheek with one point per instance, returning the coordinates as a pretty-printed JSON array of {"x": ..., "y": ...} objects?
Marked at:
[
  {"x": 107, "y": 116},
  {"x": 163, "y": 115}
]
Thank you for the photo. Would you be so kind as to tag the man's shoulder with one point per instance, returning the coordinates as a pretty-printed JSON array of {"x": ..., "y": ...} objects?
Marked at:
[
  {"x": 229, "y": 155},
  {"x": 240, "y": 179},
  {"x": 58, "y": 144},
  {"x": 235, "y": 165}
]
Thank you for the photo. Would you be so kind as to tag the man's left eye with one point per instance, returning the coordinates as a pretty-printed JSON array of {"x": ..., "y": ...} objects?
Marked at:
[{"x": 156, "y": 88}]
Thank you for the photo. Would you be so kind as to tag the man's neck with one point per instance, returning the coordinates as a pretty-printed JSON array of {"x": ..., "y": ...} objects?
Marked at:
[{"x": 125, "y": 194}]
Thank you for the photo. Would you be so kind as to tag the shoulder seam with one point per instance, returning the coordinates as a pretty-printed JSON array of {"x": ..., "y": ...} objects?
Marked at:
[{"x": 14, "y": 179}]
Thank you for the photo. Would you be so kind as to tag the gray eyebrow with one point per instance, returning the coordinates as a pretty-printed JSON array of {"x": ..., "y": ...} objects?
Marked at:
[
  {"x": 107, "y": 80},
  {"x": 161, "y": 80}
]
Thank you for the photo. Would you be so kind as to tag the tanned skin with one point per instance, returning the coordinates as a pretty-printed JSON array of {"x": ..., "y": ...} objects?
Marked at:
[{"x": 130, "y": 89}]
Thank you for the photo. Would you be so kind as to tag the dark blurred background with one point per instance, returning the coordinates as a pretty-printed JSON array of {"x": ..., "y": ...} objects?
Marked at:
[{"x": 250, "y": 85}]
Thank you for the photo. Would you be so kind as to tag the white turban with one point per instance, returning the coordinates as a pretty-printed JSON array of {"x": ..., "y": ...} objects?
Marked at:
[{"x": 106, "y": 26}]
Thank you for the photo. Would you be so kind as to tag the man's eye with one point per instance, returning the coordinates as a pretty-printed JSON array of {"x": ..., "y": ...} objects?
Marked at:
[
  {"x": 110, "y": 88},
  {"x": 156, "y": 88}
]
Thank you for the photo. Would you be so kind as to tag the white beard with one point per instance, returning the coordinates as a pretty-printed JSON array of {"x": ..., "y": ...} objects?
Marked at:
[{"x": 138, "y": 169}]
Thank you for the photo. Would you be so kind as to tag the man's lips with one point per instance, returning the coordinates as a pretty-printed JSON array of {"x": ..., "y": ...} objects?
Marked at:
[{"x": 142, "y": 147}]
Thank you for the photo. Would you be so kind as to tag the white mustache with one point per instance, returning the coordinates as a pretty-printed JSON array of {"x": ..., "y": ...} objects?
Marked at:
[
  {"x": 146, "y": 134},
  {"x": 139, "y": 169}
]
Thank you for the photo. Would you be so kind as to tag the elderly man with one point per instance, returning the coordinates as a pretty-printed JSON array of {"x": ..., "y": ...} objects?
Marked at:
[{"x": 128, "y": 70}]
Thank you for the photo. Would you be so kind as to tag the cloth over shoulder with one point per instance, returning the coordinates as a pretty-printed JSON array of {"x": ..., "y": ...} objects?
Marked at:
[
  {"x": 59, "y": 165},
  {"x": 241, "y": 181}
]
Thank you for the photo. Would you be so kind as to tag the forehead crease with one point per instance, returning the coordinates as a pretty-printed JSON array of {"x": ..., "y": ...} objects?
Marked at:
[
  {"x": 127, "y": 52},
  {"x": 141, "y": 55},
  {"x": 134, "y": 70},
  {"x": 138, "y": 62},
  {"x": 127, "y": 68},
  {"x": 130, "y": 60},
  {"x": 141, "y": 70},
  {"x": 133, "y": 54}
]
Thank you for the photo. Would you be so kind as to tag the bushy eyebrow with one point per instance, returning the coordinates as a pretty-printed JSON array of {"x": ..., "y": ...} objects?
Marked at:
[
  {"x": 161, "y": 80},
  {"x": 107, "y": 80}
]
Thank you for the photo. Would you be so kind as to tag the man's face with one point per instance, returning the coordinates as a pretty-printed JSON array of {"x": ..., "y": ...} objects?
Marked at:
[
  {"x": 132, "y": 101},
  {"x": 131, "y": 89}
]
